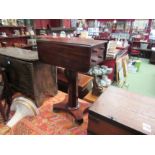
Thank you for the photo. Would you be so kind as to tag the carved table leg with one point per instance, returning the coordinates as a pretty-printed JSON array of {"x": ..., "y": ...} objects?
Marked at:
[{"x": 72, "y": 105}]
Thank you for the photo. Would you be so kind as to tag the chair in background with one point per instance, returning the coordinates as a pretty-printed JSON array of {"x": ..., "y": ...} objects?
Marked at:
[{"x": 135, "y": 53}]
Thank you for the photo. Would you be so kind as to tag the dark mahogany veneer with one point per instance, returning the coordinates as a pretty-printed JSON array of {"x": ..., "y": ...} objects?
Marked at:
[{"x": 76, "y": 55}]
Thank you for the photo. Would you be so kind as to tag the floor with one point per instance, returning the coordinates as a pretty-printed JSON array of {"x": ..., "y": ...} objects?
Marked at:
[
  {"x": 142, "y": 82},
  {"x": 48, "y": 122}
]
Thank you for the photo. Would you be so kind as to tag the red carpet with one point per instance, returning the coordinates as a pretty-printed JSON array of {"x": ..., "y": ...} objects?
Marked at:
[{"x": 50, "y": 123}]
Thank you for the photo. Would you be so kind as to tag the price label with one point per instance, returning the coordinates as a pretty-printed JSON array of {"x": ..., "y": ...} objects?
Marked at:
[{"x": 146, "y": 127}]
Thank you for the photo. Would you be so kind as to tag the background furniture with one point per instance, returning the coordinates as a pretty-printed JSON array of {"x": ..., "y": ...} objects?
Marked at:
[
  {"x": 15, "y": 40},
  {"x": 84, "y": 83},
  {"x": 49, "y": 122},
  {"x": 119, "y": 112},
  {"x": 140, "y": 46},
  {"x": 27, "y": 75},
  {"x": 135, "y": 53},
  {"x": 111, "y": 63},
  {"x": 152, "y": 58},
  {"x": 52, "y": 25},
  {"x": 59, "y": 29}
]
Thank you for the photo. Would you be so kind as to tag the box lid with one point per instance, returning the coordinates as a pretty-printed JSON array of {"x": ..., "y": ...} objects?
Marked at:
[
  {"x": 129, "y": 109},
  {"x": 19, "y": 53}
]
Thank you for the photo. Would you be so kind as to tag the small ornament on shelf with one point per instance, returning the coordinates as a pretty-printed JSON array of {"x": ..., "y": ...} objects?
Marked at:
[
  {"x": 16, "y": 33},
  {"x": 9, "y": 21},
  {"x": 14, "y": 22},
  {"x": 20, "y": 22},
  {"x": 30, "y": 31},
  {"x": 3, "y": 34},
  {"x": 31, "y": 42},
  {"x": 4, "y": 22},
  {"x": 22, "y": 32},
  {"x": 4, "y": 44}
]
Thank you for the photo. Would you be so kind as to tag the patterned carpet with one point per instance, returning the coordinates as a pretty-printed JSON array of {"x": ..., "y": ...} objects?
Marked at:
[{"x": 50, "y": 123}]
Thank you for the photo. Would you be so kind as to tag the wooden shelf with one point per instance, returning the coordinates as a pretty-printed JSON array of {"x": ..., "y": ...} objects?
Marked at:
[
  {"x": 140, "y": 42},
  {"x": 58, "y": 29},
  {"x": 29, "y": 45},
  {"x": 83, "y": 79},
  {"x": 90, "y": 98},
  {"x": 141, "y": 49},
  {"x": 12, "y": 26},
  {"x": 25, "y": 46},
  {"x": 12, "y": 37}
]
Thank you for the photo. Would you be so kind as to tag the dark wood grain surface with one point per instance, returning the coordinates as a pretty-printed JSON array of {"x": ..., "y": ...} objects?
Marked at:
[
  {"x": 75, "y": 41},
  {"x": 75, "y": 54},
  {"x": 129, "y": 109},
  {"x": 31, "y": 78}
]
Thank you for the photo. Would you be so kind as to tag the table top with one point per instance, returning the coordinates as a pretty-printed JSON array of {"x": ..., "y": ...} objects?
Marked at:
[
  {"x": 19, "y": 53},
  {"x": 71, "y": 53},
  {"x": 74, "y": 41},
  {"x": 129, "y": 109}
]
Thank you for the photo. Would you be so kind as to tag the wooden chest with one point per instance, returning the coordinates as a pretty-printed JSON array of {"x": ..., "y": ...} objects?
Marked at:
[
  {"x": 32, "y": 78},
  {"x": 119, "y": 112}
]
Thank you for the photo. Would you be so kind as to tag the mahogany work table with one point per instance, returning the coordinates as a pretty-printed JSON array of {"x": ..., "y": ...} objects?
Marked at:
[
  {"x": 75, "y": 55},
  {"x": 120, "y": 112}
]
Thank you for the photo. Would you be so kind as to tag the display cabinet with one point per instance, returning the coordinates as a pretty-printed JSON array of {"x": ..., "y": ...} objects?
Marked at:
[{"x": 13, "y": 33}]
